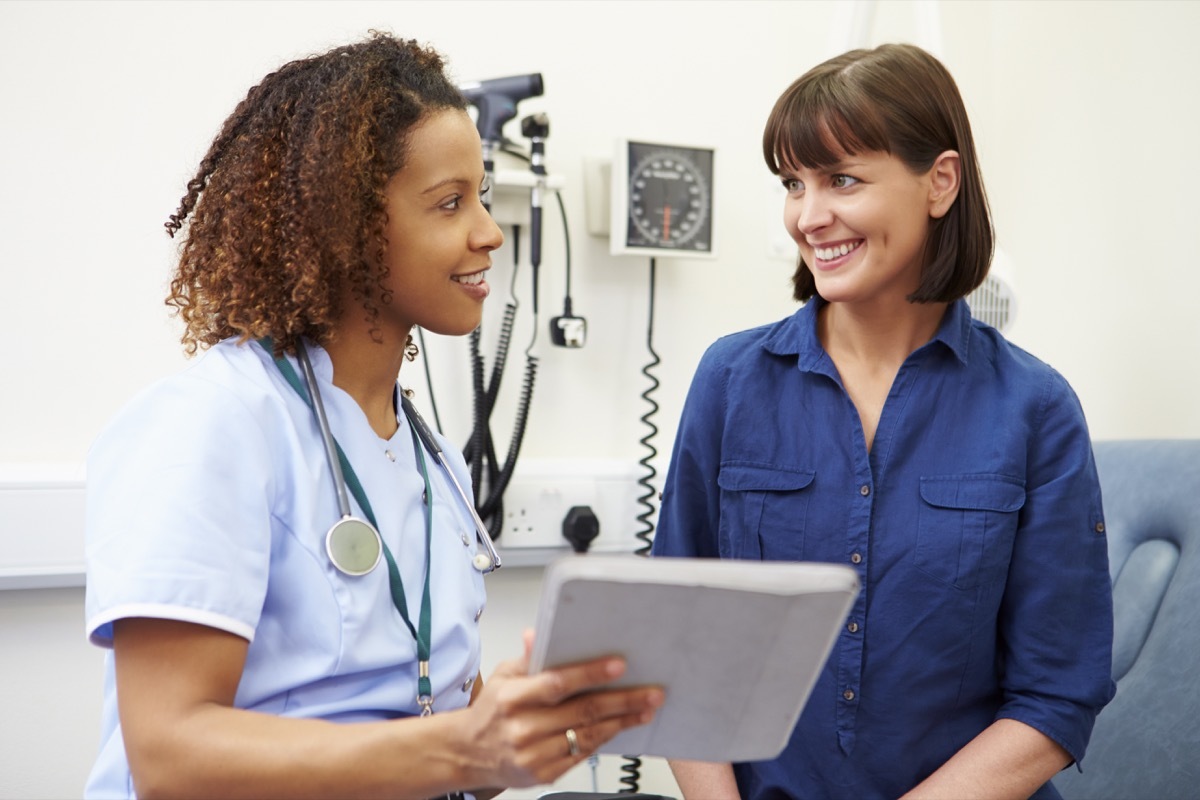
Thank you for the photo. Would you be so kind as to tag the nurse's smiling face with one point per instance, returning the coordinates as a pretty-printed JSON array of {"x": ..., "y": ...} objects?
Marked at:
[{"x": 439, "y": 234}]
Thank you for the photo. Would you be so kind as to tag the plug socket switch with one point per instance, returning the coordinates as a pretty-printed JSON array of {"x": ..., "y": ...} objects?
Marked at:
[{"x": 580, "y": 527}]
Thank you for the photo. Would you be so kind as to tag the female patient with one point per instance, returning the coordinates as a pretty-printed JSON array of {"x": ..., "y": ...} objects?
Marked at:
[
  {"x": 882, "y": 427},
  {"x": 253, "y": 653}
]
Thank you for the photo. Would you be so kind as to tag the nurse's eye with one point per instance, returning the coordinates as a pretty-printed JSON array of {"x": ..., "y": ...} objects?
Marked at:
[
  {"x": 792, "y": 185},
  {"x": 843, "y": 181},
  {"x": 452, "y": 203}
]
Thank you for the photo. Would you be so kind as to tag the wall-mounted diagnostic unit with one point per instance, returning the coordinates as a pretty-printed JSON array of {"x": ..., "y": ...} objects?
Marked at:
[{"x": 662, "y": 200}]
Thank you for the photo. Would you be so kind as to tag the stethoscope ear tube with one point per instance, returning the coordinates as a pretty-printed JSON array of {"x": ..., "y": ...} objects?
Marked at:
[
  {"x": 339, "y": 480},
  {"x": 485, "y": 563}
]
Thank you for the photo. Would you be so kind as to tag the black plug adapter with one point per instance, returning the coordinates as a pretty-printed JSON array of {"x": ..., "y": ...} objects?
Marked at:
[
  {"x": 580, "y": 527},
  {"x": 568, "y": 330}
]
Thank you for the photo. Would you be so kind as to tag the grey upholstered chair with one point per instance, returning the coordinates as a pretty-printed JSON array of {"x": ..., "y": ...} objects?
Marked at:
[{"x": 1146, "y": 743}]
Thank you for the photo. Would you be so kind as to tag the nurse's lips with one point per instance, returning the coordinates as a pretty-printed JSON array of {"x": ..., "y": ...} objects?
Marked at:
[{"x": 473, "y": 283}]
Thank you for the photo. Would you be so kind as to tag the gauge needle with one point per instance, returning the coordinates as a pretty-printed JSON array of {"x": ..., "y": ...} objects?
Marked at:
[{"x": 666, "y": 222}]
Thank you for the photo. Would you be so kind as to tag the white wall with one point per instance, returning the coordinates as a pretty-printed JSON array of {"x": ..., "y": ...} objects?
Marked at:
[{"x": 1086, "y": 116}]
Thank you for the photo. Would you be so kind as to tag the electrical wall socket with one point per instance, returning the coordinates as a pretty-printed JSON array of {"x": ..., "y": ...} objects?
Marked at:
[{"x": 542, "y": 491}]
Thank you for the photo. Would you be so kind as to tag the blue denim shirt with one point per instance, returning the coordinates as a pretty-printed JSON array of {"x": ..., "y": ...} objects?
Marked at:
[{"x": 974, "y": 522}]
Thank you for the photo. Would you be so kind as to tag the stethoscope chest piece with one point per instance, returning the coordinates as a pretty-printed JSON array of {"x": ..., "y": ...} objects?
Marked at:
[{"x": 354, "y": 546}]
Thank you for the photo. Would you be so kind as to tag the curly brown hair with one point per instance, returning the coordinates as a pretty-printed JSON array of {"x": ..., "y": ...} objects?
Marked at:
[{"x": 287, "y": 209}]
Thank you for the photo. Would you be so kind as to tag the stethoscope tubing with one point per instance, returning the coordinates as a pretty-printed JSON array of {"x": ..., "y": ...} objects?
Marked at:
[
  {"x": 310, "y": 380},
  {"x": 427, "y": 439},
  {"x": 484, "y": 563}
]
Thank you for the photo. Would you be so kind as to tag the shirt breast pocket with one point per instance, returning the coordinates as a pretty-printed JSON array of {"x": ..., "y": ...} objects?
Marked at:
[
  {"x": 763, "y": 511},
  {"x": 967, "y": 526}
]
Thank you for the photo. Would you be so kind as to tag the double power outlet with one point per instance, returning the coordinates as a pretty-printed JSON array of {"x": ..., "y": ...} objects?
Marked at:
[{"x": 543, "y": 491}]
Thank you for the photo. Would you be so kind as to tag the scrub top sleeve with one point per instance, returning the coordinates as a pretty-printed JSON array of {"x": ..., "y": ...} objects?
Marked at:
[
  {"x": 1056, "y": 621},
  {"x": 178, "y": 521},
  {"x": 689, "y": 514}
]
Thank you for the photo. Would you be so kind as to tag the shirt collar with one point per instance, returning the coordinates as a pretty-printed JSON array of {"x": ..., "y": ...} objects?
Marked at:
[{"x": 797, "y": 335}]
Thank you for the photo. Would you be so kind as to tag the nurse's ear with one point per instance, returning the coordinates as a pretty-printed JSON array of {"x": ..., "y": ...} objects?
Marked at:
[{"x": 945, "y": 178}]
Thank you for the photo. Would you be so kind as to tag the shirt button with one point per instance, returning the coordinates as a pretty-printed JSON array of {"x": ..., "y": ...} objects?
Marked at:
[
  {"x": 479, "y": 613},
  {"x": 463, "y": 535},
  {"x": 852, "y": 627},
  {"x": 1099, "y": 527},
  {"x": 855, "y": 558},
  {"x": 848, "y": 694},
  {"x": 468, "y": 683},
  {"x": 391, "y": 456},
  {"x": 864, "y": 490}
]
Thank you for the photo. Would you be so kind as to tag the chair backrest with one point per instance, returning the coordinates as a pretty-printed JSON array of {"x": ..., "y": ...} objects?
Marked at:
[{"x": 1146, "y": 743}]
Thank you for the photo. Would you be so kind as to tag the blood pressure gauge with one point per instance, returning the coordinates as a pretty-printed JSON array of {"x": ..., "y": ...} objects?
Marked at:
[{"x": 662, "y": 200}]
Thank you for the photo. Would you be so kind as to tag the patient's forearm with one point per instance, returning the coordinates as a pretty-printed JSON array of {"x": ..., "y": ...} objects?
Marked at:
[{"x": 702, "y": 780}]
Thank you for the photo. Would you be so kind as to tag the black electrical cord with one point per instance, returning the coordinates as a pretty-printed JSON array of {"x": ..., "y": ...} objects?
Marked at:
[
  {"x": 632, "y": 766},
  {"x": 437, "y": 419},
  {"x": 562, "y": 211},
  {"x": 480, "y": 451},
  {"x": 506, "y": 146}
]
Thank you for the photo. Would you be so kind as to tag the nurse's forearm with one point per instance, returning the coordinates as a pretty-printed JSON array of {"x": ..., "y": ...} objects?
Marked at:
[
  {"x": 701, "y": 780},
  {"x": 1008, "y": 760},
  {"x": 176, "y": 684}
]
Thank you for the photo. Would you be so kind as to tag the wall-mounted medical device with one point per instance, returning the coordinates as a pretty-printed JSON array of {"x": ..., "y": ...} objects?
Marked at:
[{"x": 661, "y": 200}]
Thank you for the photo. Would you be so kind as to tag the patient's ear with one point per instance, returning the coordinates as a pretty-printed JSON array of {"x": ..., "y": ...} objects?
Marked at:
[{"x": 945, "y": 176}]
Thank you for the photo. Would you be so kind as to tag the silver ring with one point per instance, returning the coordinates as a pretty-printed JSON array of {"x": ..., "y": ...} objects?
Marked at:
[{"x": 572, "y": 742}]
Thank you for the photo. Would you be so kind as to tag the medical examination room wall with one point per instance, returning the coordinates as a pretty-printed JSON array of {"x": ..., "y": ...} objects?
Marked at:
[{"x": 1086, "y": 115}]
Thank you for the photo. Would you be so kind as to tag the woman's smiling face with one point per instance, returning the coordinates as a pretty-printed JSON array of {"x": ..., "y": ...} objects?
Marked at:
[{"x": 861, "y": 225}]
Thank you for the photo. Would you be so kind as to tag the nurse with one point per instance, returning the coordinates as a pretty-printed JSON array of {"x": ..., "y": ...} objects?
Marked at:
[
  {"x": 881, "y": 427},
  {"x": 255, "y": 652}
]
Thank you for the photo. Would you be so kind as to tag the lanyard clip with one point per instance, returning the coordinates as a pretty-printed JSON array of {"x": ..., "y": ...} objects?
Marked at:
[{"x": 426, "y": 703}]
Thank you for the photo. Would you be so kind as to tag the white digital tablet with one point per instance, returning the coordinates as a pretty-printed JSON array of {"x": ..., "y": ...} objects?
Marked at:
[{"x": 737, "y": 645}]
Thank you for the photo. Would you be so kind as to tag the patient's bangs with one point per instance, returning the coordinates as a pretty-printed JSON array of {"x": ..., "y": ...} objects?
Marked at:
[{"x": 819, "y": 126}]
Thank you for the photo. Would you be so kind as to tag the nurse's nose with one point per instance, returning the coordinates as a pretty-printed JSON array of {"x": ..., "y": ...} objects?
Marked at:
[{"x": 486, "y": 234}]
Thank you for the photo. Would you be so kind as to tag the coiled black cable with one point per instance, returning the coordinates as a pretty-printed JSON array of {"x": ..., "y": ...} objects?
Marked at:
[
  {"x": 493, "y": 507},
  {"x": 480, "y": 452},
  {"x": 646, "y": 533},
  {"x": 632, "y": 767}
]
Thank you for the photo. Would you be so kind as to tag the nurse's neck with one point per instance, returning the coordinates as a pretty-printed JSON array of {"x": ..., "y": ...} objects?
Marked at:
[{"x": 367, "y": 371}]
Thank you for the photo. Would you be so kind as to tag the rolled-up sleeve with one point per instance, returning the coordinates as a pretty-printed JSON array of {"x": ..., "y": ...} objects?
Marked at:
[{"x": 1056, "y": 620}]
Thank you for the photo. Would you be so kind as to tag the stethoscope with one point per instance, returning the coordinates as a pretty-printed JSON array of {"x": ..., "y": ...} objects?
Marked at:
[{"x": 354, "y": 544}]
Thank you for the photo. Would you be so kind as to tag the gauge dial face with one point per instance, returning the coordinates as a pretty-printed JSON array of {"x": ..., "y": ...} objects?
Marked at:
[{"x": 670, "y": 198}]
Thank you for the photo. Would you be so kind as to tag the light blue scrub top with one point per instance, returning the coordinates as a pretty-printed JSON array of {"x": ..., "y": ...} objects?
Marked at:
[{"x": 208, "y": 500}]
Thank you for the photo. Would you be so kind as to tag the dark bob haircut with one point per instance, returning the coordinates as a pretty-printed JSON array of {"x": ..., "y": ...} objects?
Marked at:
[{"x": 900, "y": 100}]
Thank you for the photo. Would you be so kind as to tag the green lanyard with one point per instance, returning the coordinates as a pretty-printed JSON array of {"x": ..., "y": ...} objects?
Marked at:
[{"x": 422, "y": 633}]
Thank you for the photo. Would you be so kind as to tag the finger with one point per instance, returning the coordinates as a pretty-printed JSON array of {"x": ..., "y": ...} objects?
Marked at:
[
  {"x": 630, "y": 706},
  {"x": 553, "y": 753},
  {"x": 597, "y": 707},
  {"x": 510, "y": 668},
  {"x": 552, "y": 686},
  {"x": 528, "y": 636}
]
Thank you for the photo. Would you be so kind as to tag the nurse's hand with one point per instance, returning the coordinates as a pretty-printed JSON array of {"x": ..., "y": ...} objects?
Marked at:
[{"x": 517, "y": 728}]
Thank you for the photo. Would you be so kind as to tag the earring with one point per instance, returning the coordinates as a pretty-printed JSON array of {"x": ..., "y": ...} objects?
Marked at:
[{"x": 410, "y": 349}]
